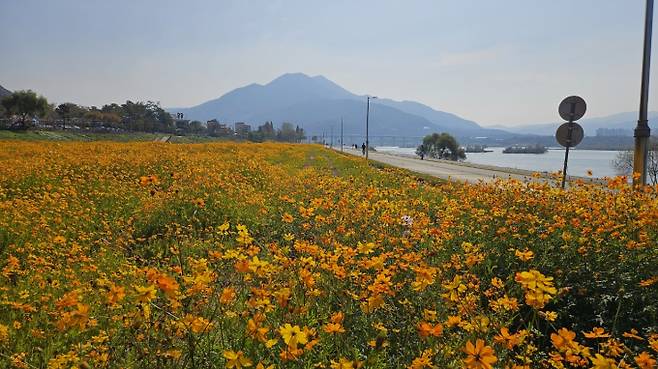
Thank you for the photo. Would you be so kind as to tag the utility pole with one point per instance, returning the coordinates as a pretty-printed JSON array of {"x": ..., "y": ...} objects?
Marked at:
[
  {"x": 642, "y": 131},
  {"x": 341, "y": 134},
  {"x": 367, "y": 117},
  {"x": 332, "y": 137}
]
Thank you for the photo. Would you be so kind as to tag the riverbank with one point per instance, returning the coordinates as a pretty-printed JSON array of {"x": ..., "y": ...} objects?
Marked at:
[
  {"x": 463, "y": 171},
  {"x": 582, "y": 163}
]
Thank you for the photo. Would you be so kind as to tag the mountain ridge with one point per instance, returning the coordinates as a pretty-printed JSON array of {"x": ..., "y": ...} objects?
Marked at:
[
  {"x": 4, "y": 92},
  {"x": 623, "y": 120},
  {"x": 292, "y": 93}
]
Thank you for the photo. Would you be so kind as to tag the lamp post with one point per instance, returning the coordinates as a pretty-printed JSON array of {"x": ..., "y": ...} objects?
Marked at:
[
  {"x": 642, "y": 131},
  {"x": 332, "y": 138},
  {"x": 341, "y": 134},
  {"x": 367, "y": 117}
]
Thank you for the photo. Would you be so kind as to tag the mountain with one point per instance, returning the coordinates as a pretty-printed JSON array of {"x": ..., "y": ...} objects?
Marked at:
[
  {"x": 241, "y": 103},
  {"x": 443, "y": 119},
  {"x": 4, "y": 92},
  {"x": 317, "y": 104},
  {"x": 626, "y": 121}
]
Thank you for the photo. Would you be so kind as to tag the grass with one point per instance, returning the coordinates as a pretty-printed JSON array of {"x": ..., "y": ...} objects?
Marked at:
[{"x": 47, "y": 135}]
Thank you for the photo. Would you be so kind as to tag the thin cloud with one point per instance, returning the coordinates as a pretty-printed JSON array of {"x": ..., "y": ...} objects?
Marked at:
[{"x": 480, "y": 56}]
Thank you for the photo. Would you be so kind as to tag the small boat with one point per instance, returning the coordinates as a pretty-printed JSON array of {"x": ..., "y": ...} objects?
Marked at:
[
  {"x": 527, "y": 149},
  {"x": 476, "y": 148}
]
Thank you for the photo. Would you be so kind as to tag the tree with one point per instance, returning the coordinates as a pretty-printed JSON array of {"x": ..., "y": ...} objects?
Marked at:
[
  {"x": 196, "y": 127},
  {"x": 287, "y": 133},
  {"x": 441, "y": 146},
  {"x": 148, "y": 116},
  {"x": 65, "y": 111},
  {"x": 624, "y": 162},
  {"x": 25, "y": 104}
]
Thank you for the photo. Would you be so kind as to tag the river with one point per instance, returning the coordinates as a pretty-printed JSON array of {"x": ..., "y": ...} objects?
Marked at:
[{"x": 580, "y": 161}]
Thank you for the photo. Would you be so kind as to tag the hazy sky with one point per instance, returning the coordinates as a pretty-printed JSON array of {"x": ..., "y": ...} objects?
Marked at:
[{"x": 496, "y": 62}]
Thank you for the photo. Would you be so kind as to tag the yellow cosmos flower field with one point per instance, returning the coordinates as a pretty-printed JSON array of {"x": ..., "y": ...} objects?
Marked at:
[{"x": 237, "y": 255}]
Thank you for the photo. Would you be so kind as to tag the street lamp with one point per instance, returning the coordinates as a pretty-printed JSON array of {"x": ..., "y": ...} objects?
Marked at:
[
  {"x": 642, "y": 131},
  {"x": 367, "y": 116}
]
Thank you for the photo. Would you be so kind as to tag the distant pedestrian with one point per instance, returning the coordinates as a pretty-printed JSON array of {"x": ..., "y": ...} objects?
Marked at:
[{"x": 363, "y": 148}]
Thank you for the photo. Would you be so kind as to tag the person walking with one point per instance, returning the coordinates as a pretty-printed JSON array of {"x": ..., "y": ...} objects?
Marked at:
[{"x": 363, "y": 148}]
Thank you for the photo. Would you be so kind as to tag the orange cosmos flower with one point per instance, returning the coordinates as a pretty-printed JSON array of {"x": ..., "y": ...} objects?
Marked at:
[
  {"x": 479, "y": 355},
  {"x": 227, "y": 296},
  {"x": 426, "y": 329},
  {"x": 167, "y": 284},
  {"x": 115, "y": 294},
  {"x": 601, "y": 362},
  {"x": 524, "y": 255},
  {"x": 242, "y": 266},
  {"x": 287, "y": 218},
  {"x": 564, "y": 339},
  {"x": 596, "y": 332},
  {"x": 645, "y": 361}
]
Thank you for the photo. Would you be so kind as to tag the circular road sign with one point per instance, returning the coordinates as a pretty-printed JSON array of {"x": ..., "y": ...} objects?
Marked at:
[
  {"x": 567, "y": 139},
  {"x": 572, "y": 108}
]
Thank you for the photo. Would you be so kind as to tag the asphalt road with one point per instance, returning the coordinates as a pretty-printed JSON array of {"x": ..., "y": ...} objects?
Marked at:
[{"x": 445, "y": 169}]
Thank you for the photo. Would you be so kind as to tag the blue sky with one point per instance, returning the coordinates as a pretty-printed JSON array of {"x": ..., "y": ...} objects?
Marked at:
[{"x": 496, "y": 62}]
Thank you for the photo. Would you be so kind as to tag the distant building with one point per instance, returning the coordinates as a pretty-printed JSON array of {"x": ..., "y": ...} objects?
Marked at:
[
  {"x": 242, "y": 129},
  {"x": 218, "y": 129},
  {"x": 613, "y": 132},
  {"x": 182, "y": 124}
]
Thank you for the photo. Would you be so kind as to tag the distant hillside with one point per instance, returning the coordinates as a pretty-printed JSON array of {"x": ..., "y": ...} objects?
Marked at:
[
  {"x": 627, "y": 120},
  {"x": 320, "y": 116},
  {"x": 4, "y": 92},
  {"x": 317, "y": 103}
]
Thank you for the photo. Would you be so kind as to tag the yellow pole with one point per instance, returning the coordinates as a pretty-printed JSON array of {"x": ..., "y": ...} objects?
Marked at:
[{"x": 642, "y": 131}]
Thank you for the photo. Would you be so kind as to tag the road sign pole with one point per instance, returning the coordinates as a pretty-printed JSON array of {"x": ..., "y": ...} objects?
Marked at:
[
  {"x": 566, "y": 154},
  {"x": 571, "y": 109},
  {"x": 564, "y": 170},
  {"x": 642, "y": 131}
]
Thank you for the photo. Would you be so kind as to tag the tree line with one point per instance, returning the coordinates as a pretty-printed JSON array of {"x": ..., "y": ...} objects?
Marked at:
[
  {"x": 25, "y": 109},
  {"x": 287, "y": 133}
]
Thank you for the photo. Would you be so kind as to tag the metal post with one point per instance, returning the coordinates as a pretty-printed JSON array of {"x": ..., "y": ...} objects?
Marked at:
[
  {"x": 564, "y": 170},
  {"x": 642, "y": 131},
  {"x": 332, "y": 137},
  {"x": 566, "y": 153},
  {"x": 341, "y": 134},
  {"x": 367, "y": 116}
]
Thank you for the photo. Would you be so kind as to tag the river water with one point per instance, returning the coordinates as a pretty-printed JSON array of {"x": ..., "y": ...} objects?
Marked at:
[{"x": 580, "y": 161}]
